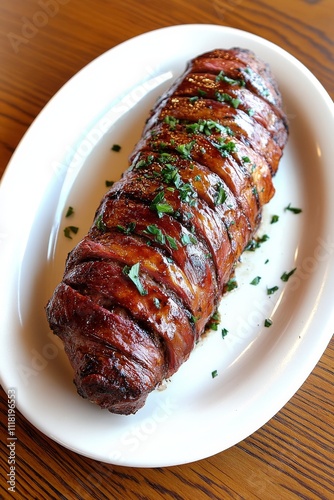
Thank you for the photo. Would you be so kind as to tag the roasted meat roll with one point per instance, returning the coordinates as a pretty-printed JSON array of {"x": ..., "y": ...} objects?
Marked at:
[{"x": 141, "y": 286}]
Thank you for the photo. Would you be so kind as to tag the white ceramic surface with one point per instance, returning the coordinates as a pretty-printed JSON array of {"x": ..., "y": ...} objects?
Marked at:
[{"x": 65, "y": 158}]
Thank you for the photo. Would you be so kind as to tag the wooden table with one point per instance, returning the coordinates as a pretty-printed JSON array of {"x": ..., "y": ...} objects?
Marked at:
[{"x": 44, "y": 43}]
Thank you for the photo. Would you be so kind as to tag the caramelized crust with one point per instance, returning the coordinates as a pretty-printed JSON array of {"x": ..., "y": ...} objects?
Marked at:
[{"x": 140, "y": 287}]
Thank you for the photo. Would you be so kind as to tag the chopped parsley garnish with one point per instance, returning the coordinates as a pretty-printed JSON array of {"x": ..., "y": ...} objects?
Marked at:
[
  {"x": 255, "y": 243},
  {"x": 156, "y": 302},
  {"x": 70, "y": 229},
  {"x": 185, "y": 149},
  {"x": 256, "y": 280},
  {"x": 225, "y": 147},
  {"x": 116, "y": 147},
  {"x": 206, "y": 127},
  {"x": 223, "y": 97},
  {"x": 263, "y": 238},
  {"x": 133, "y": 274},
  {"x": 170, "y": 175},
  {"x": 250, "y": 112},
  {"x": 214, "y": 373},
  {"x": 144, "y": 163},
  {"x": 285, "y": 276},
  {"x": 224, "y": 332},
  {"x": 220, "y": 195},
  {"x": 69, "y": 212},
  {"x": 275, "y": 218},
  {"x": 155, "y": 231},
  {"x": 188, "y": 239},
  {"x": 128, "y": 229},
  {"x": 268, "y": 322},
  {"x": 245, "y": 159},
  {"x": 172, "y": 242},
  {"x": 188, "y": 194},
  {"x": 160, "y": 206},
  {"x": 221, "y": 77},
  {"x": 100, "y": 224},
  {"x": 231, "y": 284},
  {"x": 214, "y": 321},
  {"x": 110, "y": 183},
  {"x": 293, "y": 209},
  {"x": 171, "y": 121},
  {"x": 272, "y": 290},
  {"x": 213, "y": 326},
  {"x": 166, "y": 157}
]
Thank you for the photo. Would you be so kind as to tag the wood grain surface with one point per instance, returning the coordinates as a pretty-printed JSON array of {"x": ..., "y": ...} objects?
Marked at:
[{"x": 43, "y": 43}]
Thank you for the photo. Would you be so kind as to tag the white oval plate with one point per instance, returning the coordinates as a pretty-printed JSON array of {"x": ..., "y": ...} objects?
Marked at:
[{"x": 65, "y": 158}]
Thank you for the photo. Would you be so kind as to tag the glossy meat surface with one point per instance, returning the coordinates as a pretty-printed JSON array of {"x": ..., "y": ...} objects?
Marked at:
[{"x": 140, "y": 287}]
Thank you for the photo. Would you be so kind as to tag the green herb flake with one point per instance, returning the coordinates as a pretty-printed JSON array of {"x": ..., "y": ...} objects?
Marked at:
[
  {"x": 285, "y": 276},
  {"x": 116, "y": 148},
  {"x": 133, "y": 273},
  {"x": 268, "y": 322},
  {"x": 166, "y": 157},
  {"x": 272, "y": 290},
  {"x": 255, "y": 243},
  {"x": 188, "y": 239},
  {"x": 293, "y": 209},
  {"x": 256, "y": 280},
  {"x": 154, "y": 230},
  {"x": 214, "y": 374},
  {"x": 220, "y": 195},
  {"x": 171, "y": 121},
  {"x": 160, "y": 206},
  {"x": 185, "y": 149},
  {"x": 128, "y": 229},
  {"x": 144, "y": 163},
  {"x": 263, "y": 238},
  {"x": 206, "y": 127},
  {"x": 188, "y": 194},
  {"x": 214, "y": 321},
  {"x": 225, "y": 147},
  {"x": 231, "y": 284},
  {"x": 221, "y": 77},
  {"x": 172, "y": 242},
  {"x": 70, "y": 211},
  {"x": 274, "y": 219},
  {"x": 100, "y": 224},
  {"x": 69, "y": 230},
  {"x": 224, "y": 332},
  {"x": 156, "y": 302},
  {"x": 170, "y": 175},
  {"x": 223, "y": 97},
  {"x": 213, "y": 326},
  {"x": 109, "y": 183},
  {"x": 215, "y": 316}
]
